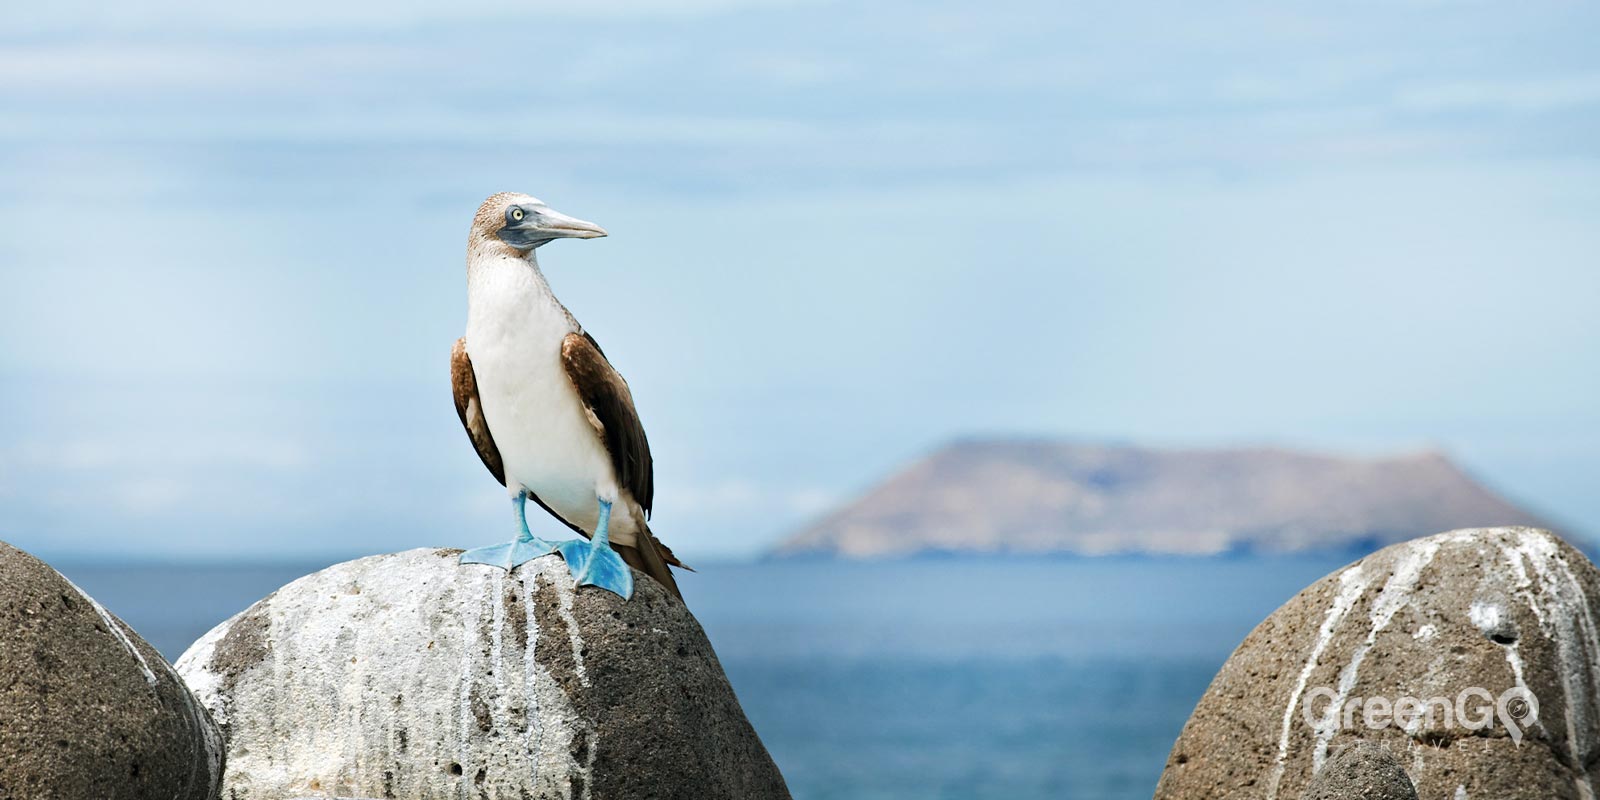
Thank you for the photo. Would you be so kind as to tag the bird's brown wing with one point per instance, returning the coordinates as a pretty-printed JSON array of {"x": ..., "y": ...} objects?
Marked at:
[
  {"x": 606, "y": 397},
  {"x": 610, "y": 405},
  {"x": 469, "y": 408}
]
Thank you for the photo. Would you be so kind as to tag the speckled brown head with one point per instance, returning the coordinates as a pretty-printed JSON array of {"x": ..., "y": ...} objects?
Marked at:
[{"x": 520, "y": 223}]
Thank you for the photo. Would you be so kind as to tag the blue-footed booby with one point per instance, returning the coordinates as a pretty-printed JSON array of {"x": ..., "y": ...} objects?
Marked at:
[{"x": 547, "y": 413}]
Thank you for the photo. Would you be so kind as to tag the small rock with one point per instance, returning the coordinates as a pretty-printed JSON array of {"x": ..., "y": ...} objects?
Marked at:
[
  {"x": 88, "y": 709},
  {"x": 1473, "y": 656},
  {"x": 412, "y": 676},
  {"x": 1362, "y": 771}
]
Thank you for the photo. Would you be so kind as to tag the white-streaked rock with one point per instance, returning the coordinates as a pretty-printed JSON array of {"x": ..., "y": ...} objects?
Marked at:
[
  {"x": 411, "y": 676},
  {"x": 1508, "y": 611}
]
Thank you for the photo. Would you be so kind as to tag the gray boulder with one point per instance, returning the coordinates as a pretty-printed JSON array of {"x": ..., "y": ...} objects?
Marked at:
[
  {"x": 87, "y": 708},
  {"x": 1471, "y": 655},
  {"x": 411, "y": 676},
  {"x": 1362, "y": 771}
]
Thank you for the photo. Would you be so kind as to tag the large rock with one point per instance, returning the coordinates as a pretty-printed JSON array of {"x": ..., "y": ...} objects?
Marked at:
[
  {"x": 411, "y": 676},
  {"x": 87, "y": 708},
  {"x": 1500, "y": 622},
  {"x": 1362, "y": 771}
]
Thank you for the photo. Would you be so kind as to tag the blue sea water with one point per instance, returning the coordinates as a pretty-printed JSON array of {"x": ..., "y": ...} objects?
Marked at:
[{"x": 1015, "y": 679}]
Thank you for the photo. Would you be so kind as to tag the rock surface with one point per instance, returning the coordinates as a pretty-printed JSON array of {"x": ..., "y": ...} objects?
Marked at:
[
  {"x": 1362, "y": 771},
  {"x": 410, "y": 676},
  {"x": 1488, "y": 619},
  {"x": 87, "y": 708}
]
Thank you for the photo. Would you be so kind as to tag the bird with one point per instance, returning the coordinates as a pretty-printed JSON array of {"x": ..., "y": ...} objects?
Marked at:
[{"x": 548, "y": 415}]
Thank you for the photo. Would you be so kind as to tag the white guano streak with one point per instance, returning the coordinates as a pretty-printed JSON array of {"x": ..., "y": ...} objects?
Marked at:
[
  {"x": 204, "y": 734},
  {"x": 1396, "y": 593},
  {"x": 1476, "y": 613},
  {"x": 533, "y": 732},
  {"x": 573, "y": 636},
  {"x": 116, "y": 630},
  {"x": 1562, "y": 609},
  {"x": 1351, "y": 584},
  {"x": 565, "y": 597},
  {"x": 497, "y": 637},
  {"x": 469, "y": 630}
]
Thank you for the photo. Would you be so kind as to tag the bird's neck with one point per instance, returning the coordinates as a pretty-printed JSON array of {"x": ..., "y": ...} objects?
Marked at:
[{"x": 509, "y": 288}]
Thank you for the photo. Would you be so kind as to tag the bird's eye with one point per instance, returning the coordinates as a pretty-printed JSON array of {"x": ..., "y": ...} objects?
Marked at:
[{"x": 516, "y": 214}]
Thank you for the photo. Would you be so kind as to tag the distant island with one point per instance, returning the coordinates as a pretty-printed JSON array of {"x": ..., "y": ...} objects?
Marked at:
[{"x": 1035, "y": 497}]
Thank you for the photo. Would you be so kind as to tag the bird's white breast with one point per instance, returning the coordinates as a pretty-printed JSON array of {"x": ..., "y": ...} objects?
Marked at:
[{"x": 515, "y": 328}]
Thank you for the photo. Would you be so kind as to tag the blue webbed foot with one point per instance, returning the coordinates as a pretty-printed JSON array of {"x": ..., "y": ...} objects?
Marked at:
[
  {"x": 594, "y": 563},
  {"x": 509, "y": 555}
]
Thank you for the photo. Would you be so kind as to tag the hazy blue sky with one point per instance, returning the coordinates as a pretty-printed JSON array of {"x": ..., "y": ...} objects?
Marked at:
[{"x": 231, "y": 247}]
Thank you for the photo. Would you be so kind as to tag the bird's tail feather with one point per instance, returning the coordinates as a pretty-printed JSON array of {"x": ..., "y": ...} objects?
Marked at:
[
  {"x": 651, "y": 557},
  {"x": 667, "y": 556}
]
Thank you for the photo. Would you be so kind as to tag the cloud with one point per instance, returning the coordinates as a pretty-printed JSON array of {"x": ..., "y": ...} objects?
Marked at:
[
  {"x": 862, "y": 94},
  {"x": 80, "y": 16},
  {"x": 154, "y": 66},
  {"x": 1531, "y": 95},
  {"x": 145, "y": 496},
  {"x": 135, "y": 452},
  {"x": 152, "y": 471},
  {"x": 739, "y": 497}
]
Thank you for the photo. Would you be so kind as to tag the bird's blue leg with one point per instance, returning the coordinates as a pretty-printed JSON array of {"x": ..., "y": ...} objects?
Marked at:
[
  {"x": 526, "y": 547},
  {"x": 593, "y": 561}
]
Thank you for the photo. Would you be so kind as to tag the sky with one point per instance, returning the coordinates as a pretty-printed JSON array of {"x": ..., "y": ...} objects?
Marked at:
[{"x": 232, "y": 244}]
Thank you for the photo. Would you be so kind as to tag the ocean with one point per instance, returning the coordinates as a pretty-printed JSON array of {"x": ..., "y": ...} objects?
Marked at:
[{"x": 955, "y": 679}]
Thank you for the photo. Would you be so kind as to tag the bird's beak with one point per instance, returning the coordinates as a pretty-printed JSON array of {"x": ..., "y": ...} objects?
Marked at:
[{"x": 541, "y": 224}]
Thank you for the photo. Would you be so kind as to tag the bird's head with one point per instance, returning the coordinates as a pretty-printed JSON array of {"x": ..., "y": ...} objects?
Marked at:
[{"x": 522, "y": 223}]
